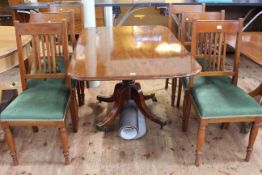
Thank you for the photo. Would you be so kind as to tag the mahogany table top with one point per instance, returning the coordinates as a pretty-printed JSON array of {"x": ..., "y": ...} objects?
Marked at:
[{"x": 130, "y": 53}]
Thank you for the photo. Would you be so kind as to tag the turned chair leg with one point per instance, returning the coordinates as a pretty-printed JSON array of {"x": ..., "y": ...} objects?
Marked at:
[
  {"x": 11, "y": 144},
  {"x": 252, "y": 138},
  {"x": 35, "y": 129},
  {"x": 173, "y": 95},
  {"x": 80, "y": 86},
  {"x": 224, "y": 126},
  {"x": 179, "y": 92},
  {"x": 167, "y": 81},
  {"x": 74, "y": 111},
  {"x": 200, "y": 142},
  {"x": 186, "y": 111},
  {"x": 64, "y": 141}
]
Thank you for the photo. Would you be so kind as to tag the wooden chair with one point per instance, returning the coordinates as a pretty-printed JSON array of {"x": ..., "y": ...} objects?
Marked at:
[
  {"x": 174, "y": 24},
  {"x": 186, "y": 30},
  {"x": 175, "y": 18},
  {"x": 57, "y": 17},
  {"x": 47, "y": 101},
  {"x": 69, "y": 17},
  {"x": 214, "y": 92},
  {"x": 76, "y": 7}
]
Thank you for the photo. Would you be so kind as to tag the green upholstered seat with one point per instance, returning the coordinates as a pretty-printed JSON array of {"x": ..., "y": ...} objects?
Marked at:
[
  {"x": 218, "y": 97},
  {"x": 38, "y": 104}
]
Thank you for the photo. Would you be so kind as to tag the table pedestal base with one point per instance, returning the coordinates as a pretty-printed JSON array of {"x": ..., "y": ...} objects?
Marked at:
[{"x": 127, "y": 90}]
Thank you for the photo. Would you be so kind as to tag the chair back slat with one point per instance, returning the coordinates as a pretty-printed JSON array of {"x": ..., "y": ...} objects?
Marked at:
[
  {"x": 188, "y": 17},
  {"x": 57, "y": 17},
  {"x": 209, "y": 43},
  {"x": 45, "y": 38}
]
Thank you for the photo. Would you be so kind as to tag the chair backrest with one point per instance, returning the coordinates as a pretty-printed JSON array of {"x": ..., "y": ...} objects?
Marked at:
[
  {"x": 76, "y": 7},
  {"x": 188, "y": 17},
  {"x": 209, "y": 43},
  {"x": 57, "y": 17},
  {"x": 47, "y": 38},
  {"x": 175, "y": 15}
]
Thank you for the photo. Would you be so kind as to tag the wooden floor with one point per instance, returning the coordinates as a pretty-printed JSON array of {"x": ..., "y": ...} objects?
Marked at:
[{"x": 167, "y": 151}]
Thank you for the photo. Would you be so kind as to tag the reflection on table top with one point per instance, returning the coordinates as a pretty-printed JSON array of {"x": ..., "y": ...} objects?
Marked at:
[
  {"x": 130, "y": 52},
  {"x": 251, "y": 45}
]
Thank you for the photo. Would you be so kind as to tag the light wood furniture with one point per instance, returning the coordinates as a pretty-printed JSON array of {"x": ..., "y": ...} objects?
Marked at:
[
  {"x": 8, "y": 48},
  {"x": 75, "y": 7},
  {"x": 129, "y": 54},
  {"x": 175, "y": 24},
  {"x": 252, "y": 48},
  {"x": 67, "y": 16},
  {"x": 175, "y": 18},
  {"x": 251, "y": 45},
  {"x": 213, "y": 87},
  {"x": 187, "y": 19},
  {"x": 42, "y": 103}
]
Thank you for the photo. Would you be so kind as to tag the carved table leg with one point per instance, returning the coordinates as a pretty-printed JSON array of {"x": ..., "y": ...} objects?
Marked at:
[
  {"x": 147, "y": 97},
  {"x": 115, "y": 95},
  {"x": 126, "y": 90},
  {"x": 114, "y": 112},
  {"x": 138, "y": 96}
]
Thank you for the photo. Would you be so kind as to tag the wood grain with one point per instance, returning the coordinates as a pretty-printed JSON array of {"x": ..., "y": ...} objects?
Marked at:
[
  {"x": 8, "y": 48},
  {"x": 130, "y": 52},
  {"x": 251, "y": 45}
]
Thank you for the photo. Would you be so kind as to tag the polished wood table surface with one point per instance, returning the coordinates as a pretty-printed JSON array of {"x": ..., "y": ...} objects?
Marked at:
[
  {"x": 8, "y": 48},
  {"x": 252, "y": 48},
  {"x": 130, "y": 53}
]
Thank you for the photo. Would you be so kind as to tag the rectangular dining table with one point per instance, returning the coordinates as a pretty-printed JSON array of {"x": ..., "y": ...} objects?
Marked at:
[{"x": 129, "y": 53}]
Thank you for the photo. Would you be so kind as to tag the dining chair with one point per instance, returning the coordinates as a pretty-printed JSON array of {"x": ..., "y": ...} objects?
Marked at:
[
  {"x": 77, "y": 9},
  {"x": 49, "y": 17},
  {"x": 69, "y": 17},
  {"x": 175, "y": 12},
  {"x": 174, "y": 25},
  {"x": 47, "y": 101},
  {"x": 214, "y": 92},
  {"x": 186, "y": 31}
]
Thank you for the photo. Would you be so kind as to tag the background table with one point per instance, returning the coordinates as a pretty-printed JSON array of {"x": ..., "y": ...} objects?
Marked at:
[
  {"x": 130, "y": 53},
  {"x": 252, "y": 48},
  {"x": 8, "y": 48}
]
